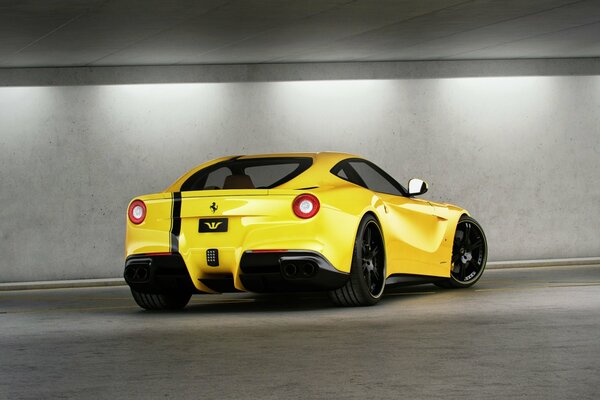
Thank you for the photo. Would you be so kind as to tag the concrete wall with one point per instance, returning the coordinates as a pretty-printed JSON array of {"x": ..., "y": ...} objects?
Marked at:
[{"x": 522, "y": 153}]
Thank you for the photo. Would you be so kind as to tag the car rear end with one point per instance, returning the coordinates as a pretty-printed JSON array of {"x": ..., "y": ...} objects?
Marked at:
[{"x": 232, "y": 234}]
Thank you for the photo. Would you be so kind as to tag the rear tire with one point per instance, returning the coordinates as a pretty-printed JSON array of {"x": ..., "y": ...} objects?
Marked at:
[
  {"x": 469, "y": 255},
  {"x": 151, "y": 301},
  {"x": 367, "y": 274}
]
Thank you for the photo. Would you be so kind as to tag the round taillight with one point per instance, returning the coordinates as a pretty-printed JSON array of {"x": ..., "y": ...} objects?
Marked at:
[
  {"x": 137, "y": 212},
  {"x": 306, "y": 206}
]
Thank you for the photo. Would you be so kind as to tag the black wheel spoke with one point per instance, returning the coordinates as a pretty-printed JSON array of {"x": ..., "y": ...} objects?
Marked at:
[
  {"x": 458, "y": 237},
  {"x": 477, "y": 244},
  {"x": 369, "y": 281},
  {"x": 375, "y": 274},
  {"x": 467, "y": 233}
]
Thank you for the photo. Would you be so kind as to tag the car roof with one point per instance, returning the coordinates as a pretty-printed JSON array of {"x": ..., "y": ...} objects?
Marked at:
[{"x": 318, "y": 157}]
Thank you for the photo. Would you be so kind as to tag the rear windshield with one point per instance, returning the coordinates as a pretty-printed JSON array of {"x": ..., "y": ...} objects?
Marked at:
[{"x": 253, "y": 173}]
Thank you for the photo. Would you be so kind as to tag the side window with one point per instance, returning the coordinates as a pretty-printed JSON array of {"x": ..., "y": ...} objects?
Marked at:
[
  {"x": 342, "y": 174},
  {"x": 375, "y": 180},
  {"x": 346, "y": 172}
]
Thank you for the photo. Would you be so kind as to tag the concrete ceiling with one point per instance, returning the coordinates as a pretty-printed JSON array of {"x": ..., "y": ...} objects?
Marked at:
[{"x": 45, "y": 33}]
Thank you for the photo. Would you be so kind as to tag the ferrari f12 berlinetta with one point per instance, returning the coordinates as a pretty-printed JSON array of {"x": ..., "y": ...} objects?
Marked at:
[{"x": 295, "y": 222}]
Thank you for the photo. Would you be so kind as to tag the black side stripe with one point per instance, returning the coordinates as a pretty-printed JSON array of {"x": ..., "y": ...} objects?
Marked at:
[{"x": 175, "y": 222}]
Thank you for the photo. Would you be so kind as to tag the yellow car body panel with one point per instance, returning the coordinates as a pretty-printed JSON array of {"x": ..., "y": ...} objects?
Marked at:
[{"x": 418, "y": 234}]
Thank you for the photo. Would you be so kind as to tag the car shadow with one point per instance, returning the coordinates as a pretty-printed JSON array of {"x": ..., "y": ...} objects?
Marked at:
[{"x": 285, "y": 302}]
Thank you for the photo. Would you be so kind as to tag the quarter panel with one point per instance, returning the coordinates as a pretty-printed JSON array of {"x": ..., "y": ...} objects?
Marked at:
[
  {"x": 152, "y": 235},
  {"x": 416, "y": 237}
]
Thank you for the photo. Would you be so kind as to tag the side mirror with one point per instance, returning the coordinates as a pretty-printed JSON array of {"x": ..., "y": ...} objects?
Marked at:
[{"x": 417, "y": 187}]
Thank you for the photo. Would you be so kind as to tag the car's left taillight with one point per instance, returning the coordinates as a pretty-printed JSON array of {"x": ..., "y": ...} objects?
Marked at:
[{"x": 137, "y": 212}]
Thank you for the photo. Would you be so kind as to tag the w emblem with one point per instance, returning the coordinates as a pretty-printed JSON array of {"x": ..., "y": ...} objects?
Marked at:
[{"x": 212, "y": 225}]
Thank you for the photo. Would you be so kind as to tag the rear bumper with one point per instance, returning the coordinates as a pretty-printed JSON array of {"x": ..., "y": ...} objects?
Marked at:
[
  {"x": 289, "y": 271},
  {"x": 259, "y": 271}
]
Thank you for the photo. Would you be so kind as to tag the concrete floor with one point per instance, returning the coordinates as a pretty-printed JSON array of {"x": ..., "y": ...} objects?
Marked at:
[{"x": 521, "y": 333}]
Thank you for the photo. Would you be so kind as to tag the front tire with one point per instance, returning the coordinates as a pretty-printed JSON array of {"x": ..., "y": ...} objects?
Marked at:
[
  {"x": 469, "y": 255},
  {"x": 151, "y": 301},
  {"x": 367, "y": 274}
]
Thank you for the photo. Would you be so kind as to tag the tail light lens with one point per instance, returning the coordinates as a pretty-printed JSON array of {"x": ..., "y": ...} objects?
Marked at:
[
  {"x": 306, "y": 206},
  {"x": 137, "y": 211}
]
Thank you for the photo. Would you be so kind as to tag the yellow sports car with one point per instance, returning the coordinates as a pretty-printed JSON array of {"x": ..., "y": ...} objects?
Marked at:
[{"x": 295, "y": 222}]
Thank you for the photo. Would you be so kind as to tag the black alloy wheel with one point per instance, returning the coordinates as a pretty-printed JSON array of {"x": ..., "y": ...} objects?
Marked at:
[
  {"x": 469, "y": 254},
  {"x": 367, "y": 275},
  {"x": 372, "y": 259}
]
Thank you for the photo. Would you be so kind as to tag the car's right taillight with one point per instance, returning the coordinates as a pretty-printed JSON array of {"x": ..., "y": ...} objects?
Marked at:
[
  {"x": 306, "y": 206},
  {"x": 137, "y": 212}
]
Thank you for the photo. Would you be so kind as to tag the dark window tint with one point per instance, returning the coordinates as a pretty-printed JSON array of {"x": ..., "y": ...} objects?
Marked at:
[
  {"x": 259, "y": 173},
  {"x": 216, "y": 179},
  {"x": 342, "y": 174},
  {"x": 266, "y": 175},
  {"x": 367, "y": 174},
  {"x": 346, "y": 172}
]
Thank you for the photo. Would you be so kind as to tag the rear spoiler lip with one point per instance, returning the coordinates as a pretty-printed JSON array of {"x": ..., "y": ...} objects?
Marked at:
[
  {"x": 226, "y": 193},
  {"x": 243, "y": 192}
]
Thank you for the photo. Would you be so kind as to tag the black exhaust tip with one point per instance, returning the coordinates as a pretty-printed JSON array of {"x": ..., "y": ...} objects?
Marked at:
[
  {"x": 289, "y": 270},
  {"x": 137, "y": 273},
  {"x": 308, "y": 269}
]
